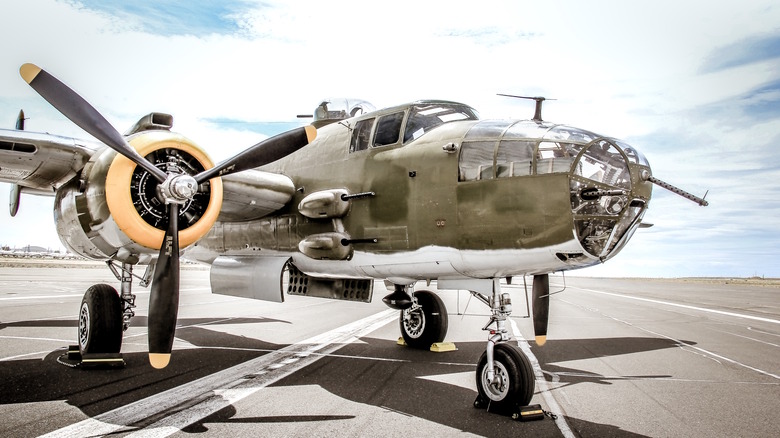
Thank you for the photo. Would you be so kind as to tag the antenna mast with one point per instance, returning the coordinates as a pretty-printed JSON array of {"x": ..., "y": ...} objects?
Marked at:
[{"x": 538, "y": 99}]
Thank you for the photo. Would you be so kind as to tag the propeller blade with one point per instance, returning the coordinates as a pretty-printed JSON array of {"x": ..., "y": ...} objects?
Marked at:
[
  {"x": 80, "y": 112},
  {"x": 541, "y": 299},
  {"x": 164, "y": 296},
  {"x": 267, "y": 151}
]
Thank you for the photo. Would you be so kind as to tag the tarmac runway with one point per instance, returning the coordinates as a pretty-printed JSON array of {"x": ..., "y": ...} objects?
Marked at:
[{"x": 623, "y": 358}]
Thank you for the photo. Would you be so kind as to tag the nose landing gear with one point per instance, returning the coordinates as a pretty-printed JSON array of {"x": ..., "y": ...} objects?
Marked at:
[{"x": 505, "y": 378}]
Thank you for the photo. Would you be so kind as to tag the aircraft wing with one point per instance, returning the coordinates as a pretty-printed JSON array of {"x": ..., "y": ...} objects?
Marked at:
[{"x": 41, "y": 163}]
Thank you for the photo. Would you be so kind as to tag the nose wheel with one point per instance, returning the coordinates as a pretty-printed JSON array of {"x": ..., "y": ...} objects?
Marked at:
[
  {"x": 505, "y": 377},
  {"x": 512, "y": 381}
]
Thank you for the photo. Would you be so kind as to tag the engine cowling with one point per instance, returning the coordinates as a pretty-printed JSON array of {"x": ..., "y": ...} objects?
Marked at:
[{"x": 113, "y": 209}]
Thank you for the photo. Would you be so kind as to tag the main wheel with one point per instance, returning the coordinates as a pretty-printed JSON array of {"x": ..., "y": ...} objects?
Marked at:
[
  {"x": 427, "y": 324},
  {"x": 514, "y": 382},
  {"x": 100, "y": 320}
]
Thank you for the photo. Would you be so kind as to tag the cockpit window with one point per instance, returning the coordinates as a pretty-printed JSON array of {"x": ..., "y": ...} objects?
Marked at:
[
  {"x": 361, "y": 135},
  {"x": 634, "y": 156},
  {"x": 424, "y": 117},
  {"x": 388, "y": 129},
  {"x": 515, "y": 158},
  {"x": 603, "y": 163},
  {"x": 476, "y": 160},
  {"x": 555, "y": 157}
]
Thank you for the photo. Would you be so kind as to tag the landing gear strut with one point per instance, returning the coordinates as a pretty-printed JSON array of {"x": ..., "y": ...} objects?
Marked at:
[{"x": 125, "y": 276}]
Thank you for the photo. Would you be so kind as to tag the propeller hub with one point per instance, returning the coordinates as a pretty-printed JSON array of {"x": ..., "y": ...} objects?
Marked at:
[{"x": 178, "y": 189}]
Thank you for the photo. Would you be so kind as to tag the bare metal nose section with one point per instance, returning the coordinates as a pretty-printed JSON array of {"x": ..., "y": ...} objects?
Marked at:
[{"x": 607, "y": 204}]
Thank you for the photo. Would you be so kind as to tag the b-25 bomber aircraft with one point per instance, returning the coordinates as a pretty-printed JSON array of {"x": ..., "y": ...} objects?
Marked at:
[{"x": 414, "y": 193}]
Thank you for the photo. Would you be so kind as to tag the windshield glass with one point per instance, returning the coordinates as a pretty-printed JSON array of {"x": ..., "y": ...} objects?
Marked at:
[{"x": 424, "y": 117}]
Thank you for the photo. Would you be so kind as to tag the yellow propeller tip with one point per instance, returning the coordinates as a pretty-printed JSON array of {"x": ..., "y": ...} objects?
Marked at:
[
  {"x": 541, "y": 340},
  {"x": 311, "y": 133},
  {"x": 29, "y": 72},
  {"x": 159, "y": 360}
]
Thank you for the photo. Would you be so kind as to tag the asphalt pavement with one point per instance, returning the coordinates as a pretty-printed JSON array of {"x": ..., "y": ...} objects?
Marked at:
[{"x": 623, "y": 358}]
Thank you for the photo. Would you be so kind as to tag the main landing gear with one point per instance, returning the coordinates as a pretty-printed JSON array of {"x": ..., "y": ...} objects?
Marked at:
[
  {"x": 505, "y": 378},
  {"x": 100, "y": 321},
  {"x": 105, "y": 314},
  {"x": 423, "y": 318},
  {"x": 425, "y": 322}
]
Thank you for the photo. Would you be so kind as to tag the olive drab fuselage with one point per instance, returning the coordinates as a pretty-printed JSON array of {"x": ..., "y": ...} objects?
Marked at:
[{"x": 427, "y": 191}]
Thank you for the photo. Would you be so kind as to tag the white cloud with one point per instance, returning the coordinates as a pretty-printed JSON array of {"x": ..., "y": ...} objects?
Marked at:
[{"x": 647, "y": 72}]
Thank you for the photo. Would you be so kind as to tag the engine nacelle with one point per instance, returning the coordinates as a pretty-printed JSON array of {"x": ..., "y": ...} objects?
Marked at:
[
  {"x": 113, "y": 209},
  {"x": 258, "y": 278},
  {"x": 267, "y": 277}
]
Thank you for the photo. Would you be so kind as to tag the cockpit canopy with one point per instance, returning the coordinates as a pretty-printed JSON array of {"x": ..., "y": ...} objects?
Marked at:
[
  {"x": 406, "y": 123},
  {"x": 507, "y": 148}
]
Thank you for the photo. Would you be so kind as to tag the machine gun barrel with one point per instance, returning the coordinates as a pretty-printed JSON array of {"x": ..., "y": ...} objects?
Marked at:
[
  {"x": 591, "y": 193},
  {"x": 679, "y": 191}
]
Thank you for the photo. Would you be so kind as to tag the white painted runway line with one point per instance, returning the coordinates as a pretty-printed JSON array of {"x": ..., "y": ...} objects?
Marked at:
[
  {"x": 684, "y": 306},
  {"x": 707, "y": 353},
  {"x": 184, "y": 405},
  {"x": 541, "y": 384},
  {"x": 41, "y": 297}
]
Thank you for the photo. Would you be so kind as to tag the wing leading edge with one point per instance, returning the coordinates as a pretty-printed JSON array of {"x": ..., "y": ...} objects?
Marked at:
[{"x": 40, "y": 163}]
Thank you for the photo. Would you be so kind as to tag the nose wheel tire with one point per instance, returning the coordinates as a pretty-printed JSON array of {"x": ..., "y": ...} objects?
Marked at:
[
  {"x": 426, "y": 323},
  {"x": 100, "y": 321},
  {"x": 513, "y": 384}
]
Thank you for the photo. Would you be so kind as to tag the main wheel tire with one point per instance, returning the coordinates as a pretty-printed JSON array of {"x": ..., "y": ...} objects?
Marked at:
[
  {"x": 516, "y": 383},
  {"x": 426, "y": 325},
  {"x": 100, "y": 321}
]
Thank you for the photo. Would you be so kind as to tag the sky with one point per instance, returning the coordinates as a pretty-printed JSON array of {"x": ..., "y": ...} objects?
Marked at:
[{"x": 694, "y": 85}]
